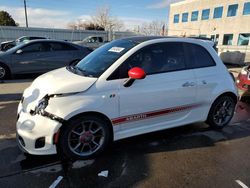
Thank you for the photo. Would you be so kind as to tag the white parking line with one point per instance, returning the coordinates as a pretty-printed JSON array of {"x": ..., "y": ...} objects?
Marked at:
[
  {"x": 56, "y": 182},
  {"x": 241, "y": 184},
  {"x": 9, "y": 136}
]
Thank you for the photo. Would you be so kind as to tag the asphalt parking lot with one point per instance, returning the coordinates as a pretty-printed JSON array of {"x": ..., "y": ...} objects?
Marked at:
[{"x": 189, "y": 156}]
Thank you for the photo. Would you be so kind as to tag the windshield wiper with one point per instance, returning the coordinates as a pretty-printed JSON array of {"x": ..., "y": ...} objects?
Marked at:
[
  {"x": 71, "y": 68},
  {"x": 77, "y": 70}
]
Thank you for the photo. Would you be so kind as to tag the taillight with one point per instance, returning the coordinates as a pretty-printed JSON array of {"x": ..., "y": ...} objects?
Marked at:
[{"x": 244, "y": 70}]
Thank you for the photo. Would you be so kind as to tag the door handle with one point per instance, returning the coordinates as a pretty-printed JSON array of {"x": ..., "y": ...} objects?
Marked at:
[
  {"x": 188, "y": 84},
  {"x": 204, "y": 81}
]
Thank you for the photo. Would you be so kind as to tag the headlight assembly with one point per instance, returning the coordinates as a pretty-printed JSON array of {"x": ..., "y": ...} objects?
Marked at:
[
  {"x": 27, "y": 125},
  {"x": 42, "y": 104}
]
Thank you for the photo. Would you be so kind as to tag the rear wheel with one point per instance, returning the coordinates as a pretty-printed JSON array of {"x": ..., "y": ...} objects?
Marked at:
[
  {"x": 221, "y": 112},
  {"x": 84, "y": 137},
  {"x": 4, "y": 72}
]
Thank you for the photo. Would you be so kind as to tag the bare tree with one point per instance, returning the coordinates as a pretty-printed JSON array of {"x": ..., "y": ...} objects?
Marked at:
[
  {"x": 72, "y": 25},
  {"x": 84, "y": 25},
  {"x": 104, "y": 19},
  {"x": 153, "y": 28}
]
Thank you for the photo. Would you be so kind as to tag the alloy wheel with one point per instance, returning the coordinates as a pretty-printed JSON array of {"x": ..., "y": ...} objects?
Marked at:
[
  {"x": 86, "y": 138},
  {"x": 2, "y": 72},
  {"x": 223, "y": 112}
]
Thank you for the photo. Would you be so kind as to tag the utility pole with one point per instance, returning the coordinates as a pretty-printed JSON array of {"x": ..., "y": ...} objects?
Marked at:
[{"x": 26, "y": 18}]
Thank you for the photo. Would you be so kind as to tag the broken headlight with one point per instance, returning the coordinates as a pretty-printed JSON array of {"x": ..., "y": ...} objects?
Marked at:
[{"x": 42, "y": 104}]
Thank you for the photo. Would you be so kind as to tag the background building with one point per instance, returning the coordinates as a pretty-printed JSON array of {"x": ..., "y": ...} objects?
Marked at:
[{"x": 225, "y": 21}]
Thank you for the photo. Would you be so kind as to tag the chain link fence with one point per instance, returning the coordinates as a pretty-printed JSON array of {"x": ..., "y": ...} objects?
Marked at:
[{"x": 12, "y": 33}]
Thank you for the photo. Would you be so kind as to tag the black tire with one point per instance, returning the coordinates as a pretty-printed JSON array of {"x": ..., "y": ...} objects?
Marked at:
[
  {"x": 245, "y": 99},
  {"x": 221, "y": 112},
  {"x": 28, "y": 155},
  {"x": 4, "y": 72},
  {"x": 78, "y": 140}
]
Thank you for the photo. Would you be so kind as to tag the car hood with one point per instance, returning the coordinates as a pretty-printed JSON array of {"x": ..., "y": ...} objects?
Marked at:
[
  {"x": 59, "y": 81},
  {"x": 6, "y": 42},
  {"x": 80, "y": 42}
]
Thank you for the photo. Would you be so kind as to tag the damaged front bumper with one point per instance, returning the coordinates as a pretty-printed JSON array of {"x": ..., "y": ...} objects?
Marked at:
[{"x": 36, "y": 132}]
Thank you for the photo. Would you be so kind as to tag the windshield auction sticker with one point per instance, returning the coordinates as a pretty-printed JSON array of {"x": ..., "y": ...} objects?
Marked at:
[{"x": 116, "y": 49}]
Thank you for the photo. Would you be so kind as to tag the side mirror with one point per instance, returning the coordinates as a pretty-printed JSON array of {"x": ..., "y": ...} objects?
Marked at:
[
  {"x": 19, "y": 51},
  {"x": 135, "y": 73}
]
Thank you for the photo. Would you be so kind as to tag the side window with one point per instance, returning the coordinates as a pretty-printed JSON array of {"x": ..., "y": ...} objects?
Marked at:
[
  {"x": 93, "y": 39},
  {"x": 198, "y": 56},
  {"x": 153, "y": 59},
  {"x": 100, "y": 39},
  {"x": 175, "y": 57},
  {"x": 68, "y": 47},
  {"x": 37, "y": 47},
  {"x": 57, "y": 46},
  {"x": 134, "y": 61},
  {"x": 148, "y": 58}
]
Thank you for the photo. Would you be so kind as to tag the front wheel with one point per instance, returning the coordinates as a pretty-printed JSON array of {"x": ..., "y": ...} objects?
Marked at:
[
  {"x": 84, "y": 137},
  {"x": 4, "y": 72},
  {"x": 221, "y": 112}
]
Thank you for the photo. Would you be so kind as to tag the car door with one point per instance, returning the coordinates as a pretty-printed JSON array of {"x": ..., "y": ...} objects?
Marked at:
[
  {"x": 165, "y": 98},
  {"x": 61, "y": 55},
  {"x": 30, "y": 58},
  {"x": 207, "y": 75}
]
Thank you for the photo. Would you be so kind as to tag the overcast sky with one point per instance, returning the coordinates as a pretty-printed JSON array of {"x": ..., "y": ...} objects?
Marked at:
[{"x": 58, "y": 13}]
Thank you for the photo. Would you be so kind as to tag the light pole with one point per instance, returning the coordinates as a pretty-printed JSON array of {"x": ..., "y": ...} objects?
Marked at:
[{"x": 26, "y": 18}]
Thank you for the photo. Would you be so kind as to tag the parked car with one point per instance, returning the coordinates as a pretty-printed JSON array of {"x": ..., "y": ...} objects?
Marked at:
[
  {"x": 40, "y": 56},
  {"x": 125, "y": 88},
  {"x": 92, "y": 42},
  {"x": 243, "y": 80},
  {"x": 10, "y": 44},
  {"x": 234, "y": 57}
]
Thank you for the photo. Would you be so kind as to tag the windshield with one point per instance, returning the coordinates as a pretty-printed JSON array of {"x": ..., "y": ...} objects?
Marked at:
[
  {"x": 86, "y": 39},
  {"x": 21, "y": 39},
  {"x": 97, "y": 62},
  {"x": 15, "y": 48}
]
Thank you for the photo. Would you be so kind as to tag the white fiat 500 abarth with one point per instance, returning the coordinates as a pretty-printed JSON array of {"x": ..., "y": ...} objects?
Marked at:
[{"x": 125, "y": 88}]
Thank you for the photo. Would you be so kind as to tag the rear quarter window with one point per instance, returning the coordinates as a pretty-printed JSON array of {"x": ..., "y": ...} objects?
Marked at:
[
  {"x": 57, "y": 46},
  {"x": 198, "y": 56}
]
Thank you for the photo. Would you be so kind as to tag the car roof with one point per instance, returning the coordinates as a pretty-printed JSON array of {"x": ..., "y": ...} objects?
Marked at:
[
  {"x": 31, "y": 36},
  {"x": 45, "y": 40},
  {"x": 201, "y": 38},
  {"x": 141, "y": 39}
]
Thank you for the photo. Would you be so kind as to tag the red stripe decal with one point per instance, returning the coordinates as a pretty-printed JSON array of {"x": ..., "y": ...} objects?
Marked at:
[{"x": 141, "y": 116}]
